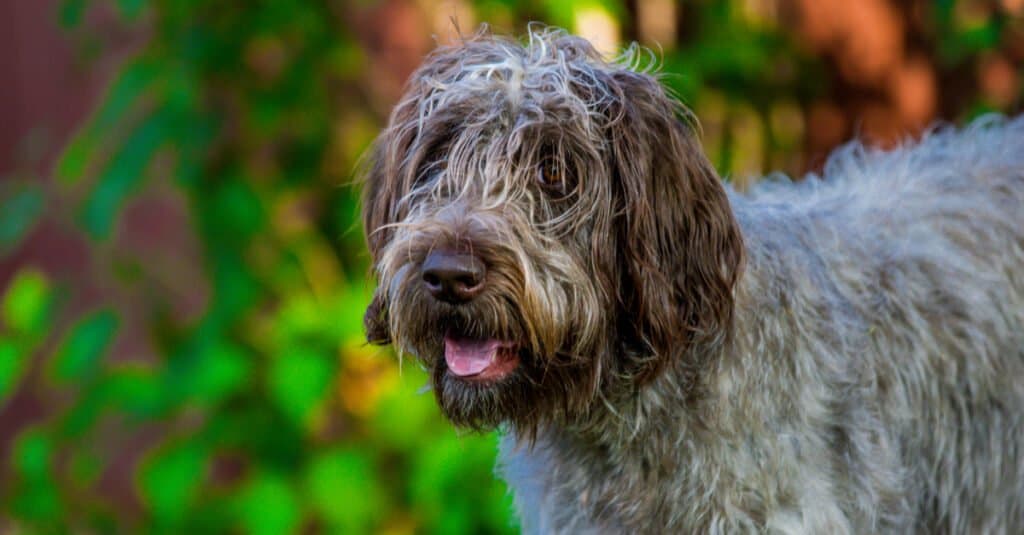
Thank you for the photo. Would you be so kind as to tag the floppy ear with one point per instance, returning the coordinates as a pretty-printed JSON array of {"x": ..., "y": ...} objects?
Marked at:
[
  {"x": 391, "y": 172},
  {"x": 386, "y": 179},
  {"x": 375, "y": 321},
  {"x": 394, "y": 165},
  {"x": 378, "y": 199},
  {"x": 680, "y": 246}
]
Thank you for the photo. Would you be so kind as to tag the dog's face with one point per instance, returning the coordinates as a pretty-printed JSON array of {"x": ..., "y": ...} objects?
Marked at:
[{"x": 544, "y": 228}]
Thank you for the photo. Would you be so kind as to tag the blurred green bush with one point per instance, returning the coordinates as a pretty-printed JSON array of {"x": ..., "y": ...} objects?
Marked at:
[{"x": 266, "y": 412}]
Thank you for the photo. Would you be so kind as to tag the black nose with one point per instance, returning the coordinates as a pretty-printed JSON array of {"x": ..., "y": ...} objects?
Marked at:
[{"x": 453, "y": 277}]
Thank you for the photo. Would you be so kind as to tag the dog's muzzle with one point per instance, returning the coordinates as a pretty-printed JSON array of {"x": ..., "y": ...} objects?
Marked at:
[{"x": 457, "y": 278}]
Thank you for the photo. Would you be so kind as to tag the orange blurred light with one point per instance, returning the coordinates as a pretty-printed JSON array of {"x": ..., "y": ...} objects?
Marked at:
[
  {"x": 656, "y": 23},
  {"x": 912, "y": 87},
  {"x": 998, "y": 80}
]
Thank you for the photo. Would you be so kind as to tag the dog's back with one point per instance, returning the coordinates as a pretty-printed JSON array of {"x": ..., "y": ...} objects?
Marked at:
[{"x": 903, "y": 274}]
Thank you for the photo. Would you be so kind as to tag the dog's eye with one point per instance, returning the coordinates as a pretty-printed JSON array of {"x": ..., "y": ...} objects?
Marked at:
[{"x": 551, "y": 175}]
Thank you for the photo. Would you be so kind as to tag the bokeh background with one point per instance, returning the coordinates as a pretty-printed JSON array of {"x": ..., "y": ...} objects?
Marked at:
[{"x": 182, "y": 276}]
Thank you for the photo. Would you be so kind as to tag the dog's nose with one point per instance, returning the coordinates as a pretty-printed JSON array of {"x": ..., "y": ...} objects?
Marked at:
[{"x": 453, "y": 277}]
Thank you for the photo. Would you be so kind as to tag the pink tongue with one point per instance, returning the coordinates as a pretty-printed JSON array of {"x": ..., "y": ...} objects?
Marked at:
[{"x": 469, "y": 357}]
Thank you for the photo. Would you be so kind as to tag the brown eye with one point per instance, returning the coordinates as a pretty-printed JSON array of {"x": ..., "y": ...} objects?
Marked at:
[{"x": 551, "y": 176}]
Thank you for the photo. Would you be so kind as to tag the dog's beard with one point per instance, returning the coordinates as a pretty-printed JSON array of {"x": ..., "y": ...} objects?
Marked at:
[
  {"x": 485, "y": 404},
  {"x": 518, "y": 385},
  {"x": 532, "y": 393},
  {"x": 428, "y": 329}
]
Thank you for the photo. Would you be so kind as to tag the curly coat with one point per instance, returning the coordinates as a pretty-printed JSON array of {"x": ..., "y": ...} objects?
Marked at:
[{"x": 844, "y": 354}]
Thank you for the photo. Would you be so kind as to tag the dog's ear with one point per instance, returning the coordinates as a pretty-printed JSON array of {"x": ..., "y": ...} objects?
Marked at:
[
  {"x": 386, "y": 180},
  {"x": 395, "y": 163},
  {"x": 378, "y": 202},
  {"x": 680, "y": 246},
  {"x": 375, "y": 321}
]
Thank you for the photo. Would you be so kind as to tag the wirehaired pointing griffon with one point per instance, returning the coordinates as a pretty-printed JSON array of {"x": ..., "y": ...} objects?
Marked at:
[{"x": 843, "y": 354}]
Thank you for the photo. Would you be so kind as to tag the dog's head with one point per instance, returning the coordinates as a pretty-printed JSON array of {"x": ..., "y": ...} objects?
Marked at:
[{"x": 544, "y": 227}]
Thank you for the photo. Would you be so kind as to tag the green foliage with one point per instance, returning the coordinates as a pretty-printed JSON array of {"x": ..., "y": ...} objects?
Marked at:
[
  {"x": 342, "y": 487},
  {"x": 19, "y": 210},
  {"x": 266, "y": 412},
  {"x": 37, "y": 498},
  {"x": 80, "y": 354},
  {"x": 24, "y": 308},
  {"x": 170, "y": 480},
  {"x": 235, "y": 101},
  {"x": 123, "y": 173},
  {"x": 297, "y": 381},
  {"x": 12, "y": 365},
  {"x": 267, "y": 505},
  {"x": 223, "y": 370}
]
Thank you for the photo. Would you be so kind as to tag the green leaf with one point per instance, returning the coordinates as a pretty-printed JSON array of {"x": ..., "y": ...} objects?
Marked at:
[
  {"x": 343, "y": 488},
  {"x": 222, "y": 371},
  {"x": 37, "y": 497},
  {"x": 33, "y": 451},
  {"x": 267, "y": 506},
  {"x": 81, "y": 351},
  {"x": 70, "y": 13},
  {"x": 238, "y": 209},
  {"x": 402, "y": 418},
  {"x": 298, "y": 380},
  {"x": 84, "y": 468},
  {"x": 26, "y": 303},
  {"x": 131, "y": 9},
  {"x": 83, "y": 414},
  {"x": 134, "y": 390},
  {"x": 348, "y": 314},
  {"x": 133, "y": 80},
  {"x": 124, "y": 172},
  {"x": 438, "y": 483},
  {"x": 300, "y": 316},
  {"x": 560, "y": 13},
  {"x": 73, "y": 161},
  {"x": 12, "y": 366},
  {"x": 39, "y": 502},
  {"x": 171, "y": 477},
  {"x": 18, "y": 213}
]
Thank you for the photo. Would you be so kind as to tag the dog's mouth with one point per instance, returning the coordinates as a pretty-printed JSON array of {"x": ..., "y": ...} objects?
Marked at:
[{"x": 475, "y": 359}]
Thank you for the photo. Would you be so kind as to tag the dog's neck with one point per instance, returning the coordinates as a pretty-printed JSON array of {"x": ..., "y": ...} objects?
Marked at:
[
  {"x": 700, "y": 400},
  {"x": 630, "y": 420},
  {"x": 640, "y": 443},
  {"x": 619, "y": 460},
  {"x": 695, "y": 396}
]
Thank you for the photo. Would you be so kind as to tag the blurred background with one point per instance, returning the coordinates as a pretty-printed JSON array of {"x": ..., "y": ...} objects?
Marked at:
[{"x": 182, "y": 275}]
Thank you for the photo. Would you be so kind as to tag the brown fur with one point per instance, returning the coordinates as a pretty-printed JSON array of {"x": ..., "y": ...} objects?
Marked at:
[
  {"x": 842, "y": 355},
  {"x": 667, "y": 240}
]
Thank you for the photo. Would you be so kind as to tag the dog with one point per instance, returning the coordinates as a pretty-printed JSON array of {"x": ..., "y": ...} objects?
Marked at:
[{"x": 662, "y": 354}]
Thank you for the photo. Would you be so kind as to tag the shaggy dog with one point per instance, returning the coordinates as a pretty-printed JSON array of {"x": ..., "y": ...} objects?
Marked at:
[{"x": 844, "y": 354}]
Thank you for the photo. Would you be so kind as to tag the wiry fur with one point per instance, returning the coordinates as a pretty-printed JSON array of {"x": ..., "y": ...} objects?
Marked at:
[{"x": 840, "y": 355}]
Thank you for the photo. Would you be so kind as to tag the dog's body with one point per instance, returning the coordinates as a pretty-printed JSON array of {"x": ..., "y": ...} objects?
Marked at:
[
  {"x": 875, "y": 379},
  {"x": 842, "y": 354}
]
